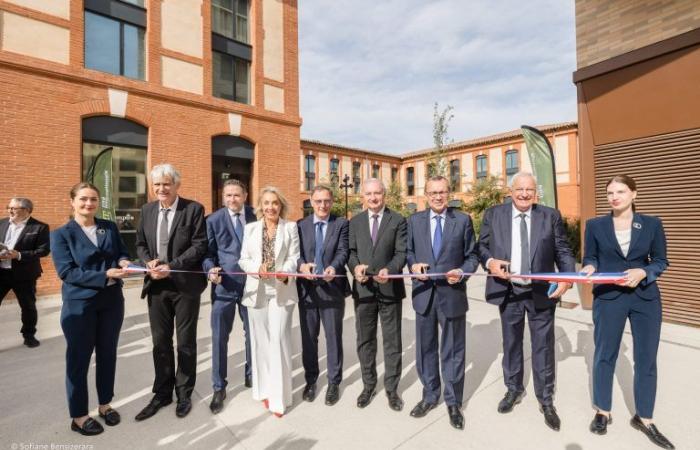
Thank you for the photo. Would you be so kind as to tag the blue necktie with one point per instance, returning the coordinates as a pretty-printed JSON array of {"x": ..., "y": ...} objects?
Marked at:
[
  {"x": 318, "y": 254},
  {"x": 437, "y": 238},
  {"x": 238, "y": 226}
]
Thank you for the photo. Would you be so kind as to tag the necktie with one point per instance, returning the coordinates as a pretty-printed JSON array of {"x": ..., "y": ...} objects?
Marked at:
[
  {"x": 524, "y": 246},
  {"x": 437, "y": 237},
  {"x": 238, "y": 226},
  {"x": 375, "y": 228},
  {"x": 318, "y": 253},
  {"x": 163, "y": 236}
]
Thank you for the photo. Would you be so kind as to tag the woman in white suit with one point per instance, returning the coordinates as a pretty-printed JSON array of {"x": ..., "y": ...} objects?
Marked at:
[{"x": 271, "y": 245}]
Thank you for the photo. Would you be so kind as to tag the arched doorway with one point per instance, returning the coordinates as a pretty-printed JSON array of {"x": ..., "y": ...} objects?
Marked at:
[{"x": 232, "y": 157}]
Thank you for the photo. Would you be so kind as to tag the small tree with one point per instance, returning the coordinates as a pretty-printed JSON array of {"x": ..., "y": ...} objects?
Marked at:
[
  {"x": 485, "y": 193},
  {"x": 436, "y": 162},
  {"x": 394, "y": 199},
  {"x": 338, "y": 208}
]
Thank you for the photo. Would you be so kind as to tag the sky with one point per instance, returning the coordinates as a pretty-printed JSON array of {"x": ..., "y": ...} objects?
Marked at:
[{"x": 372, "y": 70}]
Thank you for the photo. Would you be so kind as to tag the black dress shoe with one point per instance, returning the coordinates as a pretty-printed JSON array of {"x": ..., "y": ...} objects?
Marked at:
[
  {"x": 332, "y": 394},
  {"x": 551, "y": 418},
  {"x": 651, "y": 432},
  {"x": 152, "y": 408},
  {"x": 309, "y": 392},
  {"x": 183, "y": 408},
  {"x": 599, "y": 424},
  {"x": 31, "y": 342},
  {"x": 111, "y": 417},
  {"x": 90, "y": 427},
  {"x": 366, "y": 397},
  {"x": 248, "y": 382},
  {"x": 395, "y": 401},
  {"x": 511, "y": 399},
  {"x": 217, "y": 401},
  {"x": 422, "y": 408},
  {"x": 456, "y": 417}
]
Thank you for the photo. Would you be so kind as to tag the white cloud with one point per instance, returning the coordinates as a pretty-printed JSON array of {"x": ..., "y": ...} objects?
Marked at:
[{"x": 371, "y": 71}]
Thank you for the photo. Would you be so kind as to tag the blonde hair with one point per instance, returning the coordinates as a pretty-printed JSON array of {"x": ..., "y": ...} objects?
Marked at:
[{"x": 284, "y": 205}]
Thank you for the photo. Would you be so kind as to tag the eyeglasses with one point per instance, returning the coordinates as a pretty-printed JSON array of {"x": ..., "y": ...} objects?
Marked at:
[
  {"x": 322, "y": 202},
  {"x": 437, "y": 193},
  {"x": 15, "y": 208},
  {"x": 523, "y": 191}
]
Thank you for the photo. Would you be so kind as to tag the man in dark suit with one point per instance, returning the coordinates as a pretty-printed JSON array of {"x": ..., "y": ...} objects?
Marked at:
[
  {"x": 172, "y": 235},
  {"x": 378, "y": 248},
  {"x": 24, "y": 241},
  {"x": 440, "y": 240},
  {"x": 225, "y": 236},
  {"x": 324, "y": 251},
  {"x": 527, "y": 238}
]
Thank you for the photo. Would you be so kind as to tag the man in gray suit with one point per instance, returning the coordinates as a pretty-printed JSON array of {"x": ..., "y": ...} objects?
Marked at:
[
  {"x": 377, "y": 249},
  {"x": 528, "y": 238}
]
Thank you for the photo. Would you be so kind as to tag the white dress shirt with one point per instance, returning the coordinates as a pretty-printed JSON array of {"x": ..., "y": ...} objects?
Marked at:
[
  {"x": 325, "y": 226},
  {"x": 515, "y": 241},
  {"x": 433, "y": 223},
  {"x": 11, "y": 238},
  {"x": 379, "y": 219},
  {"x": 171, "y": 217},
  {"x": 241, "y": 217}
]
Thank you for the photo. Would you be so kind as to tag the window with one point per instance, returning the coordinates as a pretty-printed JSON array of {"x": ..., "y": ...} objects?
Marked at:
[
  {"x": 231, "y": 78},
  {"x": 394, "y": 174},
  {"x": 356, "y": 180},
  {"x": 114, "y": 46},
  {"x": 454, "y": 175},
  {"x": 410, "y": 185},
  {"x": 335, "y": 164},
  {"x": 512, "y": 164},
  {"x": 229, "y": 18},
  {"x": 375, "y": 170},
  {"x": 310, "y": 171},
  {"x": 482, "y": 170}
]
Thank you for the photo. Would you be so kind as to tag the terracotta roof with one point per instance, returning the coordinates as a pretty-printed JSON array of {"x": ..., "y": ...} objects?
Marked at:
[{"x": 343, "y": 147}]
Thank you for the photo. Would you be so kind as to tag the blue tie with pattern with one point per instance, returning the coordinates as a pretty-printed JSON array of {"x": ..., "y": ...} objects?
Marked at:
[
  {"x": 437, "y": 237},
  {"x": 318, "y": 253},
  {"x": 238, "y": 226}
]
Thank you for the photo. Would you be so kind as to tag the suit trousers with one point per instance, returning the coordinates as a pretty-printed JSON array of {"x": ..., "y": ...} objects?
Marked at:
[
  {"x": 366, "y": 314},
  {"x": 89, "y": 325},
  {"x": 609, "y": 318},
  {"x": 516, "y": 306},
  {"x": 271, "y": 345},
  {"x": 25, "y": 291},
  {"x": 167, "y": 305},
  {"x": 311, "y": 316},
  {"x": 451, "y": 354},
  {"x": 223, "y": 312}
]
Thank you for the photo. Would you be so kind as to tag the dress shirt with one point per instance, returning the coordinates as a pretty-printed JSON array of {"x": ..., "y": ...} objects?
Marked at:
[
  {"x": 379, "y": 219},
  {"x": 171, "y": 217},
  {"x": 433, "y": 223},
  {"x": 11, "y": 238},
  {"x": 241, "y": 217},
  {"x": 515, "y": 241},
  {"x": 325, "y": 226}
]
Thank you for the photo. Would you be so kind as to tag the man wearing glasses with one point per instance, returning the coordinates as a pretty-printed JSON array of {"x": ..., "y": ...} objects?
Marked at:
[
  {"x": 24, "y": 241},
  {"x": 522, "y": 238},
  {"x": 440, "y": 241}
]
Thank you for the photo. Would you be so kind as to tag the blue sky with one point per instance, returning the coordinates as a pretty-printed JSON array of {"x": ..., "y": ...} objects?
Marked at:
[{"x": 371, "y": 70}]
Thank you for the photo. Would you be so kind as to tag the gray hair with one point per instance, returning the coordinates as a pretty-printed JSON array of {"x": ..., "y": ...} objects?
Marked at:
[
  {"x": 234, "y": 182},
  {"x": 24, "y": 203},
  {"x": 374, "y": 180},
  {"x": 437, "y": 178},
  {"x": 320, "y": 188},
  {"x": 521, "y": 175},
  {"x": 165, "y": 171},
  {"x": 284, "y": 205}
]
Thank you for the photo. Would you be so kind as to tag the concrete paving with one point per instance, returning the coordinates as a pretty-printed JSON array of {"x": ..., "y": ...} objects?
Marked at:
[{"x": 34, "y": 411}]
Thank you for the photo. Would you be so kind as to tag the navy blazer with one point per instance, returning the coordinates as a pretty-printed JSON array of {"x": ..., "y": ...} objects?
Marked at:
[
  {"x": 647, "y": 251},
  {"x": 224, "y": 250},
  {"x": 80, "y": 264},
  {"x": 548, "y": 245},
  {"x": 335, "y": 254},
  {"x": 456, "y": 252}
]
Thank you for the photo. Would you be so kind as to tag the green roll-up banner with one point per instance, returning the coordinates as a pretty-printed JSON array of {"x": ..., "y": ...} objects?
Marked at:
[
  {"x": 542, "y": 161},
  {"x": 102, "y": 178}
]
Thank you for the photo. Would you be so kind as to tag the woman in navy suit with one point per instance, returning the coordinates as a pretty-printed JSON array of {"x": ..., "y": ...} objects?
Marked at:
[
  {"x": 633, "y": 243},
  {"x": 90, "y": 258}
]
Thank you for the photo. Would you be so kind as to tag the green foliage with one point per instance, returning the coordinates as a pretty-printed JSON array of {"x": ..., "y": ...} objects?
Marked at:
[
  {"x": 573, "y": 234},
  {"x": 436, "y": 162},
  {"x": 394, "y": 199},
  {"x": 485, "y": 193},
  {"x": 338, "y": 208}
]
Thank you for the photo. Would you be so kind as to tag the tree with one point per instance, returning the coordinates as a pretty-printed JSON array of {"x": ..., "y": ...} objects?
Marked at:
[
  {"x": 485, "y": 193},
  {"x": 437, "y": 159},
  {"x": 338, "y": 208},
  {"x": 394, "y": 199}
]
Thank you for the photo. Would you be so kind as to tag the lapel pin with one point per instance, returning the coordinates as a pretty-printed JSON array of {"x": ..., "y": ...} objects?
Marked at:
[
  {"x": 101, "y": 230},
  {"x": 637, "y": 225}
]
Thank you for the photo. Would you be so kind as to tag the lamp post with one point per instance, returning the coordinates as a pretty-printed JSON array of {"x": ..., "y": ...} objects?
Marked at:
[{"x": 346, "y": 185}]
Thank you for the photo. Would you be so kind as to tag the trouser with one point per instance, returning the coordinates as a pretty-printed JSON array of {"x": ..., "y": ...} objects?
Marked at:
[
  {"x": 91, "y": 325},
  {"x": 167, "y": 305},
  {"x": 366, "y": 315},
  {"x": 609, "y": 317},
  {"x": 450, "y": 352},
  {"x": 271, "y": 345},
  {"x": 223, "y": 313},
  {"x": 311, "y": 317},
  {"x": 25, "y": 291},
  {"x": 541, "y": 323}
]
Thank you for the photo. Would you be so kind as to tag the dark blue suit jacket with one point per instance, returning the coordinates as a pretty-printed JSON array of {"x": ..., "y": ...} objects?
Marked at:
[
  {"x": 80, "y": 264},
  {"x": 335, "y": 254},
  {"x": 224, "y": 250},
  {"x": 456, "y": 252},
  {"x": 647, "y": 251},
  {"x": 548, "y": 246}
]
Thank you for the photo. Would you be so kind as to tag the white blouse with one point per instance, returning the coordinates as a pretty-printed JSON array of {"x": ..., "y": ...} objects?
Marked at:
[
  {"x": 623, "y": 238},
  {"x": 91, "y": 233}
]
